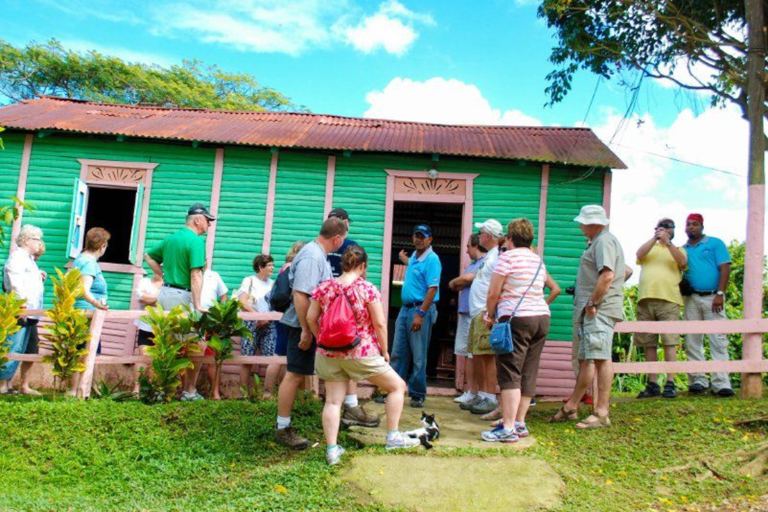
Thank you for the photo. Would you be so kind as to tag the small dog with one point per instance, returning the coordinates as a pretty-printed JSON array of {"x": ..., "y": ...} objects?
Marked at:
[{"x": 429, "y": 432}]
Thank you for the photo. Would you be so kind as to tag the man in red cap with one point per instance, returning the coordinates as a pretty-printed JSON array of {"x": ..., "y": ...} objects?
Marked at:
[{"x": 709, "y": 268}]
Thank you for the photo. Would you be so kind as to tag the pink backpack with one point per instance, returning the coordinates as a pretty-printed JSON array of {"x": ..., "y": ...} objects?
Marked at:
[{"x": 338, "y": 326}]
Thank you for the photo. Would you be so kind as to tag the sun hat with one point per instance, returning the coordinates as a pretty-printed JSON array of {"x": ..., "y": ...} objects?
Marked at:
[{"x": 592, "y": 214}]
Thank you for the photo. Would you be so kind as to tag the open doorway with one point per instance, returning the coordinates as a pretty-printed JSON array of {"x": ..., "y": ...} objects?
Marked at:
[
  {"x": 113, "y": 209},
  {"x": 446, "y": 222}
]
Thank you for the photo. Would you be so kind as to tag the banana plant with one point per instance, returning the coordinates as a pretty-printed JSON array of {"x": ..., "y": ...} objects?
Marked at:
[
  {"x": 69, "y": 328},
  {"x": 218, "y": 327},
  {"x": 10, "y": 309}
]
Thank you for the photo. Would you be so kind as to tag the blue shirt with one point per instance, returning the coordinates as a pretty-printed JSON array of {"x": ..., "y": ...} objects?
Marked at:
[
  {"x": 421, "y": 274},
  {"x": 88, "y": 266},
  {"x": 704, "y": 260},
  {"x": 464, "y": 292}
]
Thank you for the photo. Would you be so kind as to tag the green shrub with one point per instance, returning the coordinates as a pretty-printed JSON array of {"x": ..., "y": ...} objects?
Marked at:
[
  {"x": 69, "y": 327},
  {"x": 10, "y": 309},
  {"x": 218, "y": 327},
  {"x": 174, "y": 340}
]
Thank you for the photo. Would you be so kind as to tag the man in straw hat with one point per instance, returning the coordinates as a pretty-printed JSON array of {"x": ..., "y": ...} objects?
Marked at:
[{"x": 598, "y": 305}]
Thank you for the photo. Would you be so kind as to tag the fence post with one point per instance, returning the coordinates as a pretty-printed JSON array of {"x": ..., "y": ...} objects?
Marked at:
[{"x": 97, "y": 324}]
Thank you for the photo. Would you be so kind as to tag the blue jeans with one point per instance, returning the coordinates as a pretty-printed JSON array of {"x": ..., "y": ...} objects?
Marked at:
[
  {"x": 412, "y": 347},
  {"x": 18, "y": 346}
]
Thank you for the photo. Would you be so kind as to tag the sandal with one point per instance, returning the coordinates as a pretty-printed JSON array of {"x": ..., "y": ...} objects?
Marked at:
[
  {"x": 564, "y": 415},
  {"x": 594, "y": 421}
]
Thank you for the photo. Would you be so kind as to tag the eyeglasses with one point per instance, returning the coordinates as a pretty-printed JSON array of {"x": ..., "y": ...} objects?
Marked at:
[
  {"x": 36, "y": 239},
  {"x": 666, "y": 225}
]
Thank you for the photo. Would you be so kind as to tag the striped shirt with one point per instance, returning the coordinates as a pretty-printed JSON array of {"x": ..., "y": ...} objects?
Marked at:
[{"x": 518, "y": 266}]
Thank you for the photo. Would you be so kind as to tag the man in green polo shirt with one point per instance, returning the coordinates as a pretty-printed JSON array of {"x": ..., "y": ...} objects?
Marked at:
[{"x": 178, "y": 261}]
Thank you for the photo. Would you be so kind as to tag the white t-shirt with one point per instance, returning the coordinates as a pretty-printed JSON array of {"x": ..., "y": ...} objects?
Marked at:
[
  {"x": 257, "y": 291},
  {"x": 478, "y": 293},
  {"x": 213, "y": 288},
  {"x": 144, "y": 290}
]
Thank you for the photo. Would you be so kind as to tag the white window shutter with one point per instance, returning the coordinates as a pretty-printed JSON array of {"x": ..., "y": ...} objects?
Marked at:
[
  {"x": 77, "y": 218},
  {"x": 134, "y": 248}
]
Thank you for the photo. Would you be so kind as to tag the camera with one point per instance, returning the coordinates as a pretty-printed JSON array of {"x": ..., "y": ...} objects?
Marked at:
[{"x": 571, "y": 290}]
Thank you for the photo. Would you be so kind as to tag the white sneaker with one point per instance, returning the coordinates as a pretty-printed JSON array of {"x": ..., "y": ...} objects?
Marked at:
[
  {"x": 334, "y": 456},
  {"x": 191, "y": 397},
  {"x": 401, "y": 441},
  {"x": 464, "y": 398}
]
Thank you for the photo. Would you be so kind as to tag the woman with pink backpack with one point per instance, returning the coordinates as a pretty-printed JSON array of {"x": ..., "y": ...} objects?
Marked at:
[{"x": 347, "y": 319}]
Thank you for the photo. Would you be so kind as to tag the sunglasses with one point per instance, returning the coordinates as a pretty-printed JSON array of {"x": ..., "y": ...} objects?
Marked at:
[{"x": 666, "y": 225}]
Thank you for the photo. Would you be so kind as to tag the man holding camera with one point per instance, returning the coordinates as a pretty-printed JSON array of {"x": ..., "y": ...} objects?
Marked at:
[{"x": 659, "y": 299}]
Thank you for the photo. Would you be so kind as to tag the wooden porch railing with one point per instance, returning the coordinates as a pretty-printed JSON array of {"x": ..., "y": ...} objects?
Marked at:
[
  {"x": 747, "y": 366},
  {"x": 97, "y": 324}
]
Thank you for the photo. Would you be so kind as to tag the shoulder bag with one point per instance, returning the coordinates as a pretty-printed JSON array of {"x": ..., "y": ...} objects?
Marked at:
[{"x": 501, "y": 339}]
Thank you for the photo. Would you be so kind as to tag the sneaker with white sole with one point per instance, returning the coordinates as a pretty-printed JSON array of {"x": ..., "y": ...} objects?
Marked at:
[
  {"x": 500, "y": 435},
  {"x": 191, "y": 397},
  {"x": 521, "y": 430},
  {"x": 401, "y": 441},
  {"x": 465, "y": 397},
  {"x": 333, "y": 456}
]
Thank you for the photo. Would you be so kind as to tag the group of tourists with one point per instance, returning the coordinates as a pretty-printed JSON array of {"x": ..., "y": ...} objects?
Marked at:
[{"x": 504, "y": 285}]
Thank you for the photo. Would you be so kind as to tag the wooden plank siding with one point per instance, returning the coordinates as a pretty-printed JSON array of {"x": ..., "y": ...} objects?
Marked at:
[
  {"x": 10, "y": 164},
  {"x": 564, "y": 241}
]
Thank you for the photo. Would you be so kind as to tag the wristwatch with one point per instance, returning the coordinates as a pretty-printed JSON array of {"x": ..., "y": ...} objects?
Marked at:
[
  {"x": 719, "y": 293},
  {"x": 421, "y": 312},
  {"x": 591, "y": 304}
]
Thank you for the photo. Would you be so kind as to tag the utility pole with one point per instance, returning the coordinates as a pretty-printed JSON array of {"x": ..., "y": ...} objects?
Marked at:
[{"x": 751, "y": 384}]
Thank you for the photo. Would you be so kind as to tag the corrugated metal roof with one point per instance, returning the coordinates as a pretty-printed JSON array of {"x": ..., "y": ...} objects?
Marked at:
[{"x": 576, "y": 146}]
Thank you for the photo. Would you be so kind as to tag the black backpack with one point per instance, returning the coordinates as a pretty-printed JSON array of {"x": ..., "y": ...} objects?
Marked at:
[{"x": 281, "y": 296}]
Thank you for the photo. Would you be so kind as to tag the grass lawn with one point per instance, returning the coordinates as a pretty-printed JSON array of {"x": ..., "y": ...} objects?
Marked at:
[{"x": 102, "y": 455}]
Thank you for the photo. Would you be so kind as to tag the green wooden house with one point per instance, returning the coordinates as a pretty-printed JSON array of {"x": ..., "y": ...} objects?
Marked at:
[{"x": 271, "y": 178}]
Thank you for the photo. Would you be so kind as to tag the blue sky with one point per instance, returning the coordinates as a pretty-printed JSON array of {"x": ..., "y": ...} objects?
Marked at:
[{"x": 433, "y": 61}]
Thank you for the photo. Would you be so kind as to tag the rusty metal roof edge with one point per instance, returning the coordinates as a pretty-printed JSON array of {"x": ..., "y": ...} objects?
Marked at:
[
  {"x": 307, "y": 114},
  {"x": 609, "y": 165}
]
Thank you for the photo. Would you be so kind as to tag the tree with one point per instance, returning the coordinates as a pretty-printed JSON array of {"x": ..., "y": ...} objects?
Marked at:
[
  {"x": 656, "y": 38},
  {"x": 50, "y": 69}
]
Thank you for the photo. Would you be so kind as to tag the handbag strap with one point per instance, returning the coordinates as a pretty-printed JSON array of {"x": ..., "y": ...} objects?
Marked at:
[{"x": 535, "y": 276}]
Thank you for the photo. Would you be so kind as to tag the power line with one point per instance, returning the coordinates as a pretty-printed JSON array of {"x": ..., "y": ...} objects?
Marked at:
[{"x": 680, "y": 160}]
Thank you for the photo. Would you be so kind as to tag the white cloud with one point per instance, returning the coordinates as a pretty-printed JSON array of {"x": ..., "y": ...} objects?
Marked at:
[
  {"x": 438, "y": 100},
  {"x": 657, "y": 182},
  {"x": 275, "y": 26},
  {"x": 391, "y": 29},
  {"x": 267, "y": 26},
  {"x": 127, "y": 55}
]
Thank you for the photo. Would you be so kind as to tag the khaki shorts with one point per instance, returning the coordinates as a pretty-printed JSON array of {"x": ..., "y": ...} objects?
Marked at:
[
  {"x": 336, "y": 370},
  {"x": 657, "y": 310},
  {"x": 478, "y": 337},
  {"x": 596, "y": 337}
]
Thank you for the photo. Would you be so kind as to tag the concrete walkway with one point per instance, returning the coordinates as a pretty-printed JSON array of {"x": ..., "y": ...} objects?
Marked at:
[{"x": 458, "y": 429}]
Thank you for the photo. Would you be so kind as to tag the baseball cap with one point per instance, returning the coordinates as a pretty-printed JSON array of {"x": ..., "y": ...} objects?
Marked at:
[
  {"x": 339, "y": 213},
  {"x": 424, "y": 229},
  {"x": 200, "y": 209},
  {"x": 491, "y": 226}
]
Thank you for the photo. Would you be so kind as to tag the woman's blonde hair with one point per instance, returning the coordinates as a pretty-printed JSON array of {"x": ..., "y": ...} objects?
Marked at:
[
  {"x": 520, "y": 231},
  {"x": 294, "y": 250}
]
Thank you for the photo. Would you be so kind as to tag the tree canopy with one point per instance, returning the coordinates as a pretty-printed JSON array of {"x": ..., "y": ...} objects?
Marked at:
[
  {"x": 50, "y": 69},
  {"x": 699, "y": 45}
]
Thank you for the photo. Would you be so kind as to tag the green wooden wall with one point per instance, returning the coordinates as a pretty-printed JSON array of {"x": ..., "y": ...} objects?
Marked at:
[
  {"x": 10, "y": 164},
  {"x": 242, "y": 207},
  {"x": 564, "y": 241},
  {"x": 184, "y": 175}
]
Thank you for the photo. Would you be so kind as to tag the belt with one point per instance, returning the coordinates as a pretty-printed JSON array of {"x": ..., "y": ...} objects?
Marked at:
[
  {"x": 415, "y": 304},
  {"x": 176, "y": 287},
  {"x": 705, "y": 293}
]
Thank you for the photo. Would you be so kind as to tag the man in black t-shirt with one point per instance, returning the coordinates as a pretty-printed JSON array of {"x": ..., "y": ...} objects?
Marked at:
[{"x": 334, "y": 258}]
